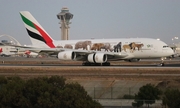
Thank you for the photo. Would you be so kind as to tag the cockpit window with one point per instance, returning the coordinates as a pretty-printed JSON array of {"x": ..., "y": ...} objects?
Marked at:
[{"x": 165, "y": 46}]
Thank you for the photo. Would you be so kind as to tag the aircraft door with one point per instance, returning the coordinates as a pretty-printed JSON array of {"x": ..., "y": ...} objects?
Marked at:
[{"x": 155, "y": 48}]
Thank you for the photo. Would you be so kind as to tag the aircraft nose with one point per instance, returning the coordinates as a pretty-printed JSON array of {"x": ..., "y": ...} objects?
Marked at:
[{"x": 171, "y": 51}]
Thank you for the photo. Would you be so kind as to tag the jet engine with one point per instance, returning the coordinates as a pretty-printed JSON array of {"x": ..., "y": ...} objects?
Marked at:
[
  {"x": 97, "y": 58},
  {"x": 66, "y": 55},
  {"x": 132, "y": 60}
]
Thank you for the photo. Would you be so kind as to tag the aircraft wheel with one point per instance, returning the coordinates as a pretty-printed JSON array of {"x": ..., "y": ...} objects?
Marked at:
[
  {"x": 97, "y": 64},
  {"x": 89, "y": 64},
  {"x": 106, "y": 64},
  {"x": 86, "y": 64}
]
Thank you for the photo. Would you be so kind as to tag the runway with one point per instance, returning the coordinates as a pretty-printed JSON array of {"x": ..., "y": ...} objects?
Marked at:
[
  {"x": 52, "y": 66},
  {"x": 54, "y": 62},
  {"x": 80, "y": 66}
]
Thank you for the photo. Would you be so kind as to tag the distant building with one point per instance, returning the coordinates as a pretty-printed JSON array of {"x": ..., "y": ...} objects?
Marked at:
[
  {"x": 8, "y": 50},
  {"x": 12, "y": 40}
]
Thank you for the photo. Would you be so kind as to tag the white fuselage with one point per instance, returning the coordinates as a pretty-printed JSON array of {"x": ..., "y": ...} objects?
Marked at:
[{"x": 151, "y": 48}]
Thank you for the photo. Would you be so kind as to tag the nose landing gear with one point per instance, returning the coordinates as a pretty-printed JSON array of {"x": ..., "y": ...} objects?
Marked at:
[
  {"x": 162, "y": 61},
  {"x": 161, "y": 64}
]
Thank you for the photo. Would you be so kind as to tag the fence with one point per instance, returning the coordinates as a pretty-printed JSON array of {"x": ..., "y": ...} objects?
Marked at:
[
  {"x": 127, "y": 103},
  {"x": 110, "y": 92}
]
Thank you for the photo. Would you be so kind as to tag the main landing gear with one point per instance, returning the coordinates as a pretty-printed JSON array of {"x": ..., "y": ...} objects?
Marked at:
[{"x": 96, "y": 64}]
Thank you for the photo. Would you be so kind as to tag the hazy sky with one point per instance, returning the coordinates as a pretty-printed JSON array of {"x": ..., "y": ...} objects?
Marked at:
[{"x": 95, "y": 18}]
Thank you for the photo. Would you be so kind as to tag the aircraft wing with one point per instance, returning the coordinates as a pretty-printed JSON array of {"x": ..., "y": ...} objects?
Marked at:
[{"x": 80, "y": 54}]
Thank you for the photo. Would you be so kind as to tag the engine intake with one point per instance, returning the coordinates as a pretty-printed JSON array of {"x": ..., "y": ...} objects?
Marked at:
[
  {"x": 97, "y": 58},
  {"x": 67, "y": 55}
]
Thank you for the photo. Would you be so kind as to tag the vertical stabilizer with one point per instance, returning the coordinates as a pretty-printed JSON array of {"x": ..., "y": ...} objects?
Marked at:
[{"x": 39, "y": 37}]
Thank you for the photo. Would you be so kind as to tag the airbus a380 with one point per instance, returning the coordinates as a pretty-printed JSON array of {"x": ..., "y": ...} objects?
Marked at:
[{"x": 93, "y": 51}]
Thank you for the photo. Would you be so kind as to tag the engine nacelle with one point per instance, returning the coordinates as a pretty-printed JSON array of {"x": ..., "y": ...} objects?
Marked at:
[
  {"x": 132, "y": 60},
  {"x": 97, "y": 58},
  {"x": 66, "y": 55}
]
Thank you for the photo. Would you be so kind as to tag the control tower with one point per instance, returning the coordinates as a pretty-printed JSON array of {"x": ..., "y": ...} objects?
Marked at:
[{"x": 64, "y": 16}]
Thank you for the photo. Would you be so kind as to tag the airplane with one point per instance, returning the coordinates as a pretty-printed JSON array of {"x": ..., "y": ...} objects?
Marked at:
[
  {"x": 5, "y": 50},
  {"x": 31, "y": 54},
  {"x": 94, "y": 51},
  {"x": 11, "y": 50}
]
